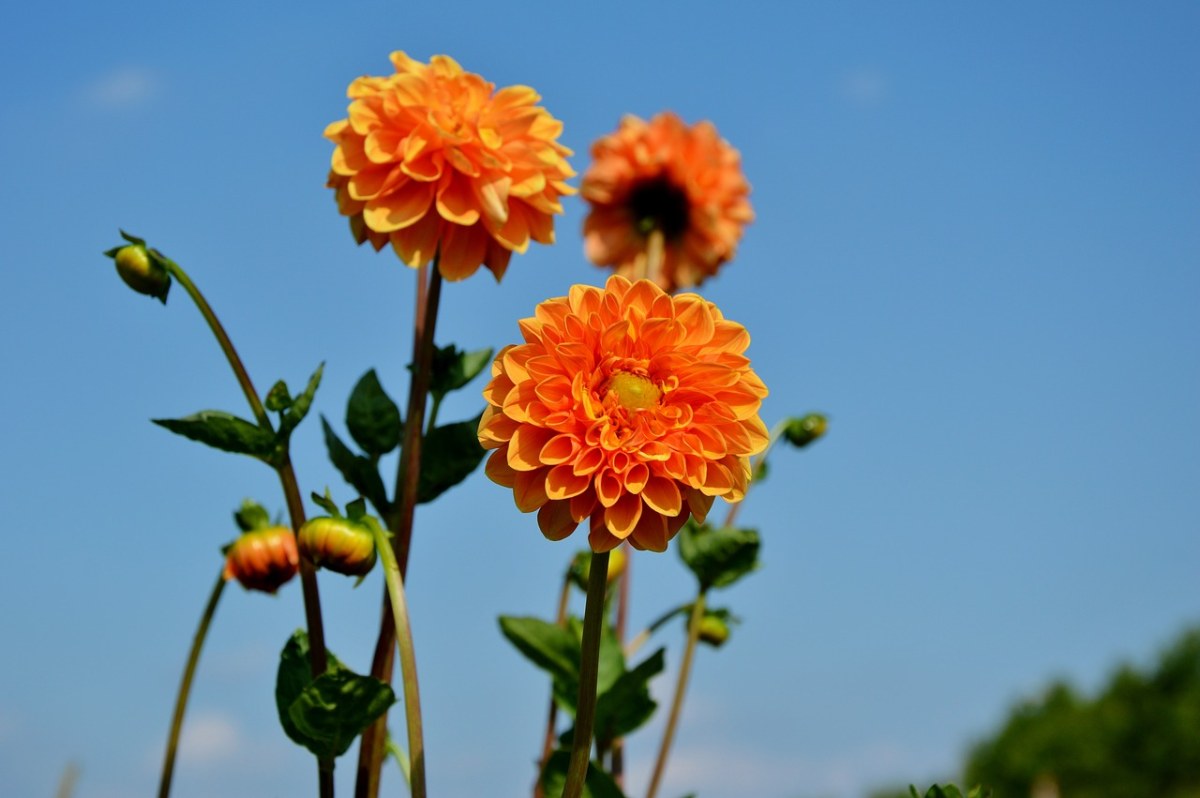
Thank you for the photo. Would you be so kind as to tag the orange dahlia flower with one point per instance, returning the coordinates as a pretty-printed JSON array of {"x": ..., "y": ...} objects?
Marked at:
[
  {"x": 685, "y": 182},
  {"x": 434, "y": 160},
  {"x": 627, "y": 406}
]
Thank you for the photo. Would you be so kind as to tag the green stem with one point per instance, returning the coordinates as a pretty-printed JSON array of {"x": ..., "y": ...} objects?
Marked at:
[
  {"x": 685, "y": 670},
  {"x": 755, "y": 464},
  {"x": 218, "y": 331},
  {"x": 400, "y": 520},
  {"x": 644, "y": 635},
  {"x": 408, "y": 662},
  {"x": 291, "y": 491},
  {"x": 589, "y": 663},
  {"x": 185, "y": 686}
]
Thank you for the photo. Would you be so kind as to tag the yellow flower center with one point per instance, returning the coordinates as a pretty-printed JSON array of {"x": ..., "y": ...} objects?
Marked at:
[{"x": 634, "y": 392}]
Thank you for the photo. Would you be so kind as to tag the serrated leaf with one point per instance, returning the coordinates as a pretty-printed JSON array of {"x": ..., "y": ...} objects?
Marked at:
[
  {"x": 299, "y": 406},
  {"x": 597, "y": 783},
  {"x": 448, "y": 456},
  {"x": 372, "y": 418},
  {"x": 453, "y": 369},
  {"x": 333, "y": 710},
  {"x": 360, "y": 472},
  {"x": 718, "y": 557},
  {"x": 224, "y": 431},
  {"x": 627, "y": 704}
]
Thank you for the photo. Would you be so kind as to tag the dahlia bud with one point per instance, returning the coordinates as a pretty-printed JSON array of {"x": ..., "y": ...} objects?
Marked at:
[
  {"x": 581, "y": 567},
  {"x": 141, "y": 268},
  {"x": 339, "y": 544},
  {"x": 802, "y": 431},
  {"x": 263, "y": 559},
  {"x": 714, "y": 627}
]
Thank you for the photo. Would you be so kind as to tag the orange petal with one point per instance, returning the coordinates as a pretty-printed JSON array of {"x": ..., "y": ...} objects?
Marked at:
[
  {"x": 462, "y": 251},
  {"x": 529, "y": 491},
  {"x": 498, "y": 469},
  {"x": 662, "y": 496},
  {"x": 525, "y": 446},
  {"x": 562, "y": 483},
  {"x": 623, "y": 516},
  {"x": 651, "y": 533},
  {"x": 401, "y": 208},
  {"x": 456, "y": 202},
  {"x": 555, "y": 520}
]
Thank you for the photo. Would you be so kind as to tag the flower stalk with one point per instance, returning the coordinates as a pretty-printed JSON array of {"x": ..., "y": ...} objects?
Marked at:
[
  {"x": 685, "y": 671},
  {"x": 400, "y": 521},
  {"x": 185, "y": 686},
  {"x": 589, "y": 663},
  {"x": 291, "y": 490},
  {"x": 408, "y": 662}
]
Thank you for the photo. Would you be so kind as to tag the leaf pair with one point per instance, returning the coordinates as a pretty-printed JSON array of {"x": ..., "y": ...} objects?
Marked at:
[
  {"x": 623, "y": 700},
  {"x": 325, "y": 714},
  {"x": 230, "y": 433}
]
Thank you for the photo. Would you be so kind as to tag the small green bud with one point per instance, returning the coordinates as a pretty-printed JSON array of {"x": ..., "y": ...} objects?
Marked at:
[
  {"x": 339, "y": 544},
  {"x": 714, "y": 627},
  {"x": 800, "y": 432},
  {"x": 142, "y": 272}
]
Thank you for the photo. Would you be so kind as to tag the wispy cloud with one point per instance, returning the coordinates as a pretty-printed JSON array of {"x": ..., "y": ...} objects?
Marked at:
[
  {"x": 209, "y": 739},
  {"x": 124, "y": 87},
  {"x": 863, "y": 86}
]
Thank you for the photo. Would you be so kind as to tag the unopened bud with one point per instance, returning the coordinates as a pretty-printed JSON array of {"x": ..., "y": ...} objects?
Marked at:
[
  {"x": 142, "y": 272},
  {"x": 263, "y": 559},
  {"x": 339, "y": 544},
  {"x": 714, "y": 627},
  {"x": 800, "y": 432}
]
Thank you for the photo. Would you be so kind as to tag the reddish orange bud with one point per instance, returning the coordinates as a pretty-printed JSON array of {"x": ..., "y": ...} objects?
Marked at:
[
  {"x": 339, "y": 544},
  {"x": 263, "y": 559}
]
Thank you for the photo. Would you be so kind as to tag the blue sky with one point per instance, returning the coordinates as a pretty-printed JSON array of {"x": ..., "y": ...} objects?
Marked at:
[{"x": 976, "y": 248}]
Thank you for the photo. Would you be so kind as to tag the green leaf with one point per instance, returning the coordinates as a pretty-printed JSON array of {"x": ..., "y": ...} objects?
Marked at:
[
  {"x": 448, "y": 456},
  {"x": 251, "y": 515},
  {"x": 627, "y": 704},
  {"x": 325, "y": 714},
  {"x": 360, "y": 472},
  {"x": 609, "y": 667},
  {"x": 278, "y": 397},
  {"x": 550, "y": 647},
  {"x": 224, "y": 431},
  {"x": 718, "y": 557},
  {"x": 453, "y": 369},
  {"x": 326, "y": 503},
  {"x": 333, "y": 710},
  {"x": 372, "y": 417},
  {"x": 299, "y": 406},
  {"x": 597, "y": 783}
]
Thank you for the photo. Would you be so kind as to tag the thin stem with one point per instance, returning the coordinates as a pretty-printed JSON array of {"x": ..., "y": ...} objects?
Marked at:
[
  {"x": 218, "y": 331},
  {"x": 400, "y": 520},
  {"x": 549, "y": 738},
  {"x": 618, "y": 744},
  {"x": 655, "y": 254},
  {"x": 685, "y": 670},
  {"x": 291, "y": 491},
  {"x": 755, "y": 464},
  {"x": 66, "y": 785},
  {"x": 408, "y": 662},
  {"x": 644, "y": 635},
  {"x": 589, "y": 659},
  {"x": 185, "y": 685}
]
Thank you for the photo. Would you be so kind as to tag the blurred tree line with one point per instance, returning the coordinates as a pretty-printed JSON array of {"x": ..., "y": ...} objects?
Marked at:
[{"x": 1138, "y": 738}]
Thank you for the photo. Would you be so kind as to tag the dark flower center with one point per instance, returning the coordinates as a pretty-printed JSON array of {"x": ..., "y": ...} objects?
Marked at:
[{"x": 659, "y": 203}]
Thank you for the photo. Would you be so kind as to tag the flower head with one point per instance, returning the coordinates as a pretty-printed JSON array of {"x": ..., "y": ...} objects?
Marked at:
[
  {"x": 627, "y": 406},
  {"x": 263, "y": 559},
  {"x": 685, "y": 182},
  {"x": 434, "y": 160}
]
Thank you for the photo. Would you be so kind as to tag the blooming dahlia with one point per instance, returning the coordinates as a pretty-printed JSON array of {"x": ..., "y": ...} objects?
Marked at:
[
  {"x": 434, "y": 160},
  {"x": 627, "y": 406},
  {"x": 685, "y": 182}
]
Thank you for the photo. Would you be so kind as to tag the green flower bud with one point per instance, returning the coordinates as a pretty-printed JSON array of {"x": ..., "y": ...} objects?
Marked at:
[
  {"x": 800, "y": 432},
  {"x": 263, "y": 559},
  {"x": 715, "y": 625},
  {"x": 339, "y": 544},
  {"x": 142, "y": 272},
  {"x": 581, "y": 567}
]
